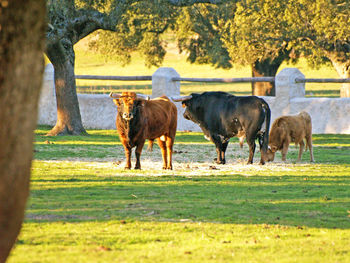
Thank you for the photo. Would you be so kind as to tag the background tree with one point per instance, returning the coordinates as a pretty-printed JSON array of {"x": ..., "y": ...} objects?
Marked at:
[
  {"x": 141, "y": 29},
  {"x": 71, "y": 21},
  {"x": 22, "y": 28},
  {"x": 199, "y": 31},
  {"x": 237, "y": 32},
  {"x": 322, "y": 31},
  {"x": 260, "y": 37}
]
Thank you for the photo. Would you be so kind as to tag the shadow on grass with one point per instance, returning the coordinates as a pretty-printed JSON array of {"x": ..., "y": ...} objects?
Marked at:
[{"x": 319, "y": 201}]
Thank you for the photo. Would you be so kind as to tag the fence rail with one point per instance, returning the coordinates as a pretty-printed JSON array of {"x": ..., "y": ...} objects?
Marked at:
[
  {"x": 218, "y": 80},
  {"x": 227, "y": 80},
  {"x": 123, "y": 78},
  {"x": 302, "y": 80}
]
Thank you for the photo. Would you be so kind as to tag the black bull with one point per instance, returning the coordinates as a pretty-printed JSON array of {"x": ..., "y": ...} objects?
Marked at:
[{"x": 221, "y": 116}]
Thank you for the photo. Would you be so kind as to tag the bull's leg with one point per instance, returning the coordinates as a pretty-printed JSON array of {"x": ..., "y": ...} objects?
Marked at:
[
  {"x": 309, "y": 144},
  {"x": 220, "y": 159},
  {"x": 169, "y": 148},
  {"x": 301, "y": 149},
  {"x": 162, "y": 146},
  {"x": 220, "y": 149},
  {"x": 138, "y": 154},
  {"x": 241, "y": 141},
  {"x": 127, "y": 151},
  {"x": 263, "y": 151},
  {"x": 223, "y": 151},
  {"x": 252, "y": 145},
  {"x": 128, "y": 157}
]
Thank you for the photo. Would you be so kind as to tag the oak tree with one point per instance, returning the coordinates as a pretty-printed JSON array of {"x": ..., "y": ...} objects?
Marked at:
[
  {"x": 71, "y": 21},
  {"x": 22, "y": 35}
]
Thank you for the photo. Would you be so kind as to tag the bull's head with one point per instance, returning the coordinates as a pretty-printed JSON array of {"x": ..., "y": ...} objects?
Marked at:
[
  {"x": 127, "y": 103},
  {"x": 186, "y": 103}
]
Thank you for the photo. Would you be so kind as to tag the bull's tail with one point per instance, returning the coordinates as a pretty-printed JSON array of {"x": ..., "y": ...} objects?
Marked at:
[{"x": 265, "y": 135}]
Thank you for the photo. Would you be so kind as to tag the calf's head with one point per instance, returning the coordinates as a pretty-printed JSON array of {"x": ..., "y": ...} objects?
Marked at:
[
  {"x": 270, "y": 154},
  {"x": 128, "y": 103},
  {"x": 275, "y": 141}
]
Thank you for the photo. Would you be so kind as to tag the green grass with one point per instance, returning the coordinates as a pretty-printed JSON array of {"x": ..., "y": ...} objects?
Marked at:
[
  {"x": 84, "y": 207},
  {"x": 90, "y": 63}
]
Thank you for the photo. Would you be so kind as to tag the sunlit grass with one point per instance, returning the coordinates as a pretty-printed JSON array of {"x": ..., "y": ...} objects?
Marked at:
[{"x": 84, "y": 207}]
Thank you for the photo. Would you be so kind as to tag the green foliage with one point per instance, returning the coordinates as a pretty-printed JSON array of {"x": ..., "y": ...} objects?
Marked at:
[
  {"x": 259, "y": 32},
  {"x": 140, "y": 28},
  {"x": 199, "y": 32},
  {"x": 321, "y": 34}
]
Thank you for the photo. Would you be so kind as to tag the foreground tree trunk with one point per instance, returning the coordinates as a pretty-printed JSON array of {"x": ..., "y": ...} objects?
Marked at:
[
  {"x": 22, "y": 28},
  {"x": 68, "y": 112},
  {"x": 265, "y": 68}
]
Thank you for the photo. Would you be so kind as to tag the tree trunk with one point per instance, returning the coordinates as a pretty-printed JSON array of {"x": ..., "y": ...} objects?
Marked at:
[
  {"x": 265, "y": 68},
  {"x": 22, "y": 31},
  {"x": 342, "y": 66},
  {"x": 68, "y": 112}
]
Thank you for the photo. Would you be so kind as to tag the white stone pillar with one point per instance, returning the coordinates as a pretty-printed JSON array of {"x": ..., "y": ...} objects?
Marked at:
[
  {"x": 162, "y": 83},
  {"x": 47, "y": 112},
  {"x": 345, "y": 90},
  {"x": 287, "y": 89}
]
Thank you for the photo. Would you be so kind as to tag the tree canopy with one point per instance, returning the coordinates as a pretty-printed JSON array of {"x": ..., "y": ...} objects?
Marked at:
[{"x": 262, "y": 34}]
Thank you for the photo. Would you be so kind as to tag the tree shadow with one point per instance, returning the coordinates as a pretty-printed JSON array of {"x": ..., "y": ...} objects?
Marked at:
[{"x": 320, "y": 202}]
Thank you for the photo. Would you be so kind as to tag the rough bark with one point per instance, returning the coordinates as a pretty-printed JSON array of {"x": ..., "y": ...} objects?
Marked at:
[
  {"x": 68, "y": 25},
  {"x": 22, "y": 28},
  {"x": 68, "y": 112},
  {"x": 265, "y": 68},
  {"x": 342, "y": 66}
]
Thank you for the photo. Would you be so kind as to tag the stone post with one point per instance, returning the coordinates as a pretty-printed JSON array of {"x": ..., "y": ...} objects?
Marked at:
[
  {"x": 162, "y": 84},
  {"x": 287, "y": 89},
  {"x": 47, "y": 112},
  {"x": 345, "y": 90}
]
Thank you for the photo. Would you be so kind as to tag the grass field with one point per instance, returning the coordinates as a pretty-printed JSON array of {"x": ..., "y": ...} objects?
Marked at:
[
  {"x": 90, "y": 63},
  {"x": 84, "y": 207}
]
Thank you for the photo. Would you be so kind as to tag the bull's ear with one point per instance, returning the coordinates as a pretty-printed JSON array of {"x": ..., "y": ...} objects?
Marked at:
[{"x": 140, "y": 103}]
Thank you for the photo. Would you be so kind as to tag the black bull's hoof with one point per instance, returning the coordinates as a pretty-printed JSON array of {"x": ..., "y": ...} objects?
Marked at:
[{"x": 219, "y": 162}]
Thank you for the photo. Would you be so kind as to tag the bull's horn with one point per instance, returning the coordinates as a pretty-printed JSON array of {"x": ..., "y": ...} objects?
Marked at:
[
  {"x": 181, "y": 98},
  {"x": 142, "y": 97},
  {"x": 114, "y": 95}
]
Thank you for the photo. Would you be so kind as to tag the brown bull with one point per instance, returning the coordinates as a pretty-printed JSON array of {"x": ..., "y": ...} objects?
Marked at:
[
  {"x": 287, "y": 129},
  {"x": 139, "y": 119}
]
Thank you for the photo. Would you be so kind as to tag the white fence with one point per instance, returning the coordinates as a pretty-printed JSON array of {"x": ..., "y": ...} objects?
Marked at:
[{"x": 329, "y": 115}]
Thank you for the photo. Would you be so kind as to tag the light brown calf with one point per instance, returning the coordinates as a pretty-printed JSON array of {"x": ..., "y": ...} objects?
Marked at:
[{"x": 287, "y": 129}]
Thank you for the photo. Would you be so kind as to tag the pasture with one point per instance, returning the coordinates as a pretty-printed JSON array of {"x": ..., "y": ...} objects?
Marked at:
[{"x": 84, "y": 207}]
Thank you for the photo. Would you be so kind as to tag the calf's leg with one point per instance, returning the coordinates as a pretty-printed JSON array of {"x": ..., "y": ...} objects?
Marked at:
[
  {"x": 301, "y": 149},
  {"x": 284, "y": 151},
  {"x": 309, "y": 144}
]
